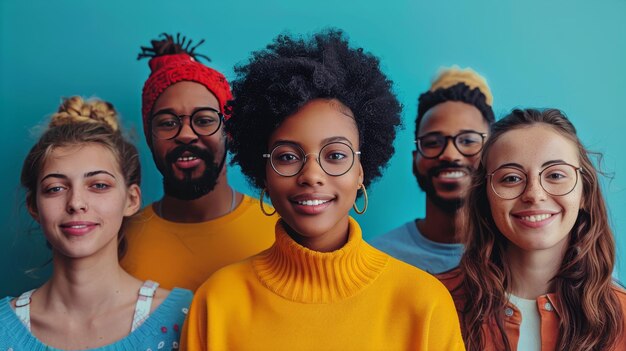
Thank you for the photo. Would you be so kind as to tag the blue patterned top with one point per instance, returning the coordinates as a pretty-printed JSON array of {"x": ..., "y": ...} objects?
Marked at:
[{"x": 161, "y": 331}]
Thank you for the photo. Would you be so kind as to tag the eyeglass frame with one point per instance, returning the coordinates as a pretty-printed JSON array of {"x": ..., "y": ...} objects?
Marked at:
[
  {"x": 180, "y": 121},
  {"x": 446, "y": 138},
  {"x": 577, "y": 169},
  {"x": 268, "y": 156}
]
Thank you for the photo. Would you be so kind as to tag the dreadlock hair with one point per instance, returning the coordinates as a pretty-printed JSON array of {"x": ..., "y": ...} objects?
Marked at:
[
  {"x": 79, "y": 122},
  {"x": 170, "y": 46},
  {"x": 276, "y": 82},
  {"x": 458, "y": 92},
  {"x": 591, "y": 317}
]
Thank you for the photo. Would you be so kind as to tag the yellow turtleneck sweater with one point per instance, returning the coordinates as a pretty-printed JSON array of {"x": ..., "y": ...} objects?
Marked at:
[{"x": 292, "y": 298}]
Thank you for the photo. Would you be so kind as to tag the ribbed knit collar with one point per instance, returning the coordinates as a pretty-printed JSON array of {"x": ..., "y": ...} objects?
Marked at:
[{"x": 303, "y": 275}]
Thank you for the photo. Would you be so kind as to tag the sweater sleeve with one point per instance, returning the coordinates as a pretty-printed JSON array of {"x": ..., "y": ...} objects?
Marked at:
[{"x": 194, "y": 335}]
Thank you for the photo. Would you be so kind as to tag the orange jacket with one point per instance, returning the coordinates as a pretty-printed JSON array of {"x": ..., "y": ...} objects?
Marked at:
[{"x": 549, "y": 311}]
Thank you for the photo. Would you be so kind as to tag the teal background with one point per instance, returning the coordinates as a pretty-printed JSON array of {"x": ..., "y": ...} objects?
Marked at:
[{"x": 535, "y": 53}]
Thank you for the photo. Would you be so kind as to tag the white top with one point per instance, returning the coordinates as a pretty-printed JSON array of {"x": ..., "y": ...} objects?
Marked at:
[{"x": 530, "y": 329}]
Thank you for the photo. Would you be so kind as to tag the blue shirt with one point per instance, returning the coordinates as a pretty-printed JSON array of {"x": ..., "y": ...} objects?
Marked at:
[
  {"x": 161, "y": 331},
  {"x": 407, "y": 244}
]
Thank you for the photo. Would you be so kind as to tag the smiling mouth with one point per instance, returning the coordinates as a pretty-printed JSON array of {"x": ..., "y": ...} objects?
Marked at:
[
  {"x": 451, "y": 174},
  {"x": 78, "y": 226},
  {"x": 536, "y": 218},
  {"x": 312, "y": 202},
  {"x": 186, "y": 158}
]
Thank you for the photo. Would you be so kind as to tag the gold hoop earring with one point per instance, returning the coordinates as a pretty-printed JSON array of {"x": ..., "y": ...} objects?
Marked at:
[
  {"x": 356, "y": 209},
  {"x": 262, "y": 207}
]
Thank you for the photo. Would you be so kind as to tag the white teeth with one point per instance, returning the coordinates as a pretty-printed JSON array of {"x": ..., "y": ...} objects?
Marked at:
[
  {"x": 537, "y": 218},
  {"x": 312, "y": 202},
  {"x": 78, "y": 226},
  {"x": 451, "y": 175},
  {"x": 186, "y": 159}
]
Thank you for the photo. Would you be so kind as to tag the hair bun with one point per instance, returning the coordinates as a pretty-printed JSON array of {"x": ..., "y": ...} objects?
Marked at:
[{"x": 77, "y": 110}]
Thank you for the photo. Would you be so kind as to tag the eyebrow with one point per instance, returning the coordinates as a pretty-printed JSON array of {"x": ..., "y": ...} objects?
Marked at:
[
  {"x": 172, "y": 111},
  {"x": 545, "y": 164},
  {"x": 323, "y": 142},
  {"x": 86, "y": 175}
]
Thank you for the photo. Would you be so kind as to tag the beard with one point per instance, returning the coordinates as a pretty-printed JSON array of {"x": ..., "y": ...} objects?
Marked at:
[
  {"x": 189, "y": 188},
  {"x": 450, "y": 206}
]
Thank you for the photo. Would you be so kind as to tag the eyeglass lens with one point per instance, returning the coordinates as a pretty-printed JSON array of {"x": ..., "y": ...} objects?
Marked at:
[
  {"x": 557, "y": 180},
  {"x": 433, "y": 145},
  {"x": 335, "y": 159},
  {"x": 166, "y": 125}
]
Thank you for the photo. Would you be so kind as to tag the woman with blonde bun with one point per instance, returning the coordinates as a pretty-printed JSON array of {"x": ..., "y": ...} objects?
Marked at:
[{"x": 82, "y": 181}]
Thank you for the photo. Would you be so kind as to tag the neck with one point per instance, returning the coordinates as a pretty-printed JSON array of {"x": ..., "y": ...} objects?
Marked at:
[
  {"x": 216, "y": 203},
  {"x": 440, "y": 226},
  {"x": 86, "y": 286},
  {"x": 532, "y": 271}
]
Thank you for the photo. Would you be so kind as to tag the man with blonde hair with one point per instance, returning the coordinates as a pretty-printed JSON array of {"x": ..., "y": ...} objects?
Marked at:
[{"x": 452, "y": 125}]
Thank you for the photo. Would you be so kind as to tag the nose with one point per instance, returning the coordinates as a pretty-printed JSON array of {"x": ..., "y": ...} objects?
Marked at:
[
  {"x": 186, "y": 134},
  {"x": 450, "y": 152},
  {"x": 76, "y": 202},
  {"x": 534, "y": 192},
  {"x": 311, "y": 172}
]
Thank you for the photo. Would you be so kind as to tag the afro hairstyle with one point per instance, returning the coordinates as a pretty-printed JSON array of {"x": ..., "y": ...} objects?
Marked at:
[
  {"x": 277, "y": 81},
  {"x": 458, "y": 92}
]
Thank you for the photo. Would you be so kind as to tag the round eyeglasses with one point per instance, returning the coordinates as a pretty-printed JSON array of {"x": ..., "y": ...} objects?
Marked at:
[
  {"x": 558, "y": 180},
  {"x": 167, "y": 125},
  {"x": 334, "y": 158},
  {"x": 468, "y": 143}
]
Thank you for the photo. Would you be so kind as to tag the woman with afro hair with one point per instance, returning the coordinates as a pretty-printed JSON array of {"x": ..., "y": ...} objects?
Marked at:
[{"x": 313, "y": 123}]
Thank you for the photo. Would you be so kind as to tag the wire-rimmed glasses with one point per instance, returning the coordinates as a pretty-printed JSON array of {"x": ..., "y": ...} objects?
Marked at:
[
  {"x": 509, "y": 182},
  {"x": 335, "y": 158}
]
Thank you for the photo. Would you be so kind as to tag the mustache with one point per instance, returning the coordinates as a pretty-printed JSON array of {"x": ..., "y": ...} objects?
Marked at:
[
  {"x": 433, "y": 172},
  {"x": 203, "y": 154}
]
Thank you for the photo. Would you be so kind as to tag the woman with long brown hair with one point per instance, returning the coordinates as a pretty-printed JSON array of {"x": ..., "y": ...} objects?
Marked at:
[{"x": 536, "y": 274}]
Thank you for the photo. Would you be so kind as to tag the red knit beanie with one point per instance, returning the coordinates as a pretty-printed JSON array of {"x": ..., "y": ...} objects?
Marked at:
[{"x": 169, "y": 69}]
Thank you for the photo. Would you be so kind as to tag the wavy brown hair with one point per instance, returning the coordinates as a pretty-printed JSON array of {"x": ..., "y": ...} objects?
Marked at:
[{"x": 591, "y": 317}]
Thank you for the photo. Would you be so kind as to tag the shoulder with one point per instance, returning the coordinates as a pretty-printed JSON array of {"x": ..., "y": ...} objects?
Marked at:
[
  {"x": 7, "y": 304},
  {"x": 138, "y": 221},
  {"x": 451, "y": 279},
  {"x": 414, "y": 278},
  {"x": 249, "y": 211},
  {"x": 12, "y": 331},
  {"x": 175, "y": 306},
  {"x": 398, "y": 234},
  {"x": 228, "y": 279}
]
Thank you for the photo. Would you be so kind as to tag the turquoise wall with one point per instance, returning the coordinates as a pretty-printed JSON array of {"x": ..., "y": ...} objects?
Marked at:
[{"x": 535, "y": 53}]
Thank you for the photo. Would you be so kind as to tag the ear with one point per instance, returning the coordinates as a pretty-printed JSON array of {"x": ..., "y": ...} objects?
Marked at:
[
  {"x": 361, "y": 174},
  {"x": 32, "y": 207},
  {"x": 133, "y": 200}
]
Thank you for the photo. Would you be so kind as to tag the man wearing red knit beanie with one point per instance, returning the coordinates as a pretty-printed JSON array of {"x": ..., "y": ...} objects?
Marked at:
[{"x": 201, "y": 223}]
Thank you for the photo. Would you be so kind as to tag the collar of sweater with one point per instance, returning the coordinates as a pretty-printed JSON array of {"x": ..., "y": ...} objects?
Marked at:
[{"x": 299, "y": 274}]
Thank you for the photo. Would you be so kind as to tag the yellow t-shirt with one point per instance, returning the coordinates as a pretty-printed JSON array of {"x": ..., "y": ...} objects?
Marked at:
[
  {"x": 184, "y": 255},
  {"x": 291, "y": 298}
]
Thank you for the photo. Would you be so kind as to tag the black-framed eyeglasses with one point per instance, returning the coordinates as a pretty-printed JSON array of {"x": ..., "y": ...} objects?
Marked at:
[
  {"x": 509, "y": 182},
  {"x": 468, "y": 143},
  {"x": 335, "y": 158},
  {"x": 167, "y": 125}
]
